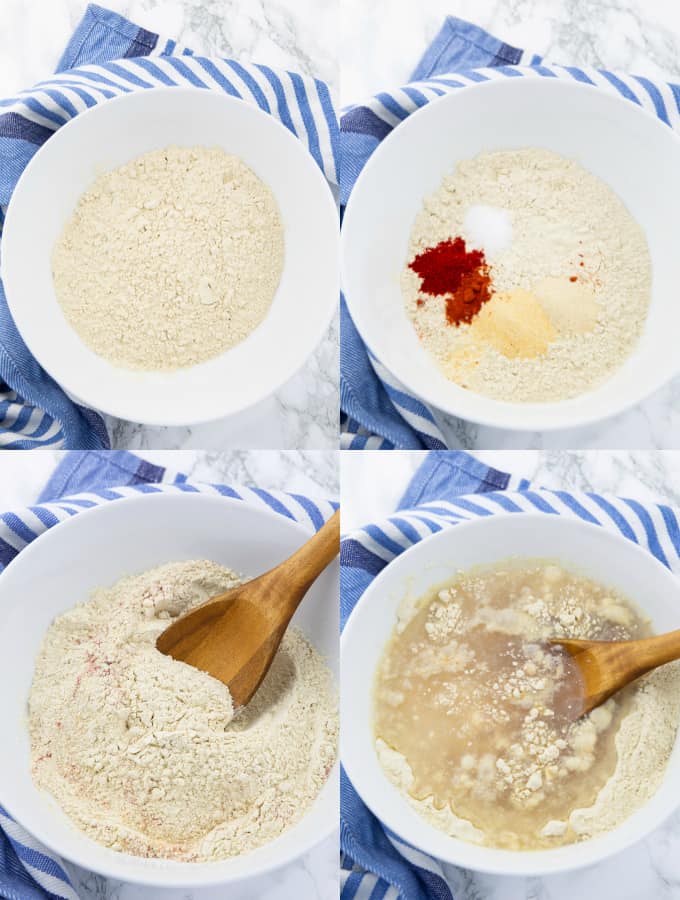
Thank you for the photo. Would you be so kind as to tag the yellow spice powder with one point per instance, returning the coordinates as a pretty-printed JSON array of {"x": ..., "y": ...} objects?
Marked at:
[{"x": 515, "y": 324}]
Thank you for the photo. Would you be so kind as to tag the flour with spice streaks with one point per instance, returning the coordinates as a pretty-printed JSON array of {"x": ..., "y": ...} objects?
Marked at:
[{"x": 141, "y": 751}]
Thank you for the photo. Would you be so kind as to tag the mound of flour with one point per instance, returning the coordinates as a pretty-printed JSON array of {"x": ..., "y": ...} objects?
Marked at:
[
  {"x": 170, "y": 259},
  {"x": 141, "y": 751}
]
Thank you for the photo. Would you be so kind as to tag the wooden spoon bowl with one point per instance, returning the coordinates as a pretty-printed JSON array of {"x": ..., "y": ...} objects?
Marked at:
[{"x": 234, "y": 636}]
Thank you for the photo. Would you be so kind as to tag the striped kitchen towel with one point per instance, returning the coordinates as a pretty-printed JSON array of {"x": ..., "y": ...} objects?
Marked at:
[
  {"x": 448, "y": 488},
  {"x": 108, "y": 56},
  {"x": 376, "y": 411},
  {"x": 28, "y": 870}
]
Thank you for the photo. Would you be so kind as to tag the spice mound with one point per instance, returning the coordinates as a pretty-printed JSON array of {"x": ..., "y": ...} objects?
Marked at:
[
  {"x": 141, "y": 751},
  {"x": 171, "y": 259},
  {"x": 527, "y": 278},
  {"x": 462, "y": 277},
  {"x": 473, "y": 710}
]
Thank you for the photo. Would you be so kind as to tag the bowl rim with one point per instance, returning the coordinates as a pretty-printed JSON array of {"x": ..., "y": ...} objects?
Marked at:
[
  {"x": 528, "y": 416},
  {"x": 496, "y": 861},
  {"x": 184, "y": 874},
  {"x": 86, "y": 394}
]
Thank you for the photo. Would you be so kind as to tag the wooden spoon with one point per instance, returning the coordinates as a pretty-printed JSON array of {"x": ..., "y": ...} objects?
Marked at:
[
  {"x": 604, "y": 667},
  {"x": 234, "y": 636}
]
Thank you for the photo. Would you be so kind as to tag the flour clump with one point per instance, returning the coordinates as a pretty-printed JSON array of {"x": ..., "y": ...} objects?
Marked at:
[{"x": 142, "y": 752}]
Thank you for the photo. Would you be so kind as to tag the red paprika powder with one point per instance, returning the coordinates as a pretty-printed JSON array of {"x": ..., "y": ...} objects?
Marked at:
[{"x": 459, "y": 274}]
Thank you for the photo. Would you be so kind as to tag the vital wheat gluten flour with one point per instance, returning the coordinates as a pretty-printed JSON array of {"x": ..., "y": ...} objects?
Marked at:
[
  {"x": 170, "y": 259},
  {"x": 527, "y": 278},
  {"x": 141, "y": 751}
]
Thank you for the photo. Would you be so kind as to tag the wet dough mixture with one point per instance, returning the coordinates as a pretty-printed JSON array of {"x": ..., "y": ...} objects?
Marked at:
[
  {"x": 141, "y": 752},
  {"x": 471, "y": 710}
]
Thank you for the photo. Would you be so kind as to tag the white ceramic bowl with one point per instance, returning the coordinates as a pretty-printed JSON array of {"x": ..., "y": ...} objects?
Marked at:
[
  {"x": 586, "y": 548},
  {"x": 113, "y": 133},
  {"x": 621, "y": 143},
  {"x": 95, "y": 548}
]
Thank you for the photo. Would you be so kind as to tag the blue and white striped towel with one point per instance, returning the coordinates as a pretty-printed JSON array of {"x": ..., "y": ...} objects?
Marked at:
[
  {"x": 34, "y": 411},
  {"x": 28, "y": 870},
  {"x": 448, "y": 488},
  {"x": 376, "y": 411}
]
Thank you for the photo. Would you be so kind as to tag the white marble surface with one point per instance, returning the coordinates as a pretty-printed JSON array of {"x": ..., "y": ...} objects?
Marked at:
[
  {"x": 315, "y": 473},
  {"x": 296, "y": 34},
  {"x": 371, "y": 486},
  {"x": 381, "y": 43}
]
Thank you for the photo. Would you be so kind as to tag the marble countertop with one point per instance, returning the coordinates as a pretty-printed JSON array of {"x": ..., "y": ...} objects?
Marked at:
[
  {"x": 371, "y": 486},
  {"x": 296, "y": 34},
  {"x": 381, "y": 43},
  {"x": 22, "y": 476}
]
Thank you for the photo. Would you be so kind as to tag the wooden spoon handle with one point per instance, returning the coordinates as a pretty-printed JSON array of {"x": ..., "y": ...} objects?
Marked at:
[
  {"x": 286, "y": 585},
  {"x": 307, "y": 563},
  {"x": 607, "y": 666},
  {"x": 656, "y": 651}
]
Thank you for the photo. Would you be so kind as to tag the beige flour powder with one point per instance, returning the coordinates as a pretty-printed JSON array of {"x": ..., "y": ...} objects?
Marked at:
[
  {"x": 573, "y": 246},
  {"x": 141, "y": 751},
  {"x": 170, "y": 259}
]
